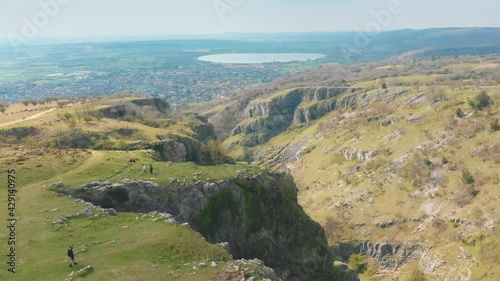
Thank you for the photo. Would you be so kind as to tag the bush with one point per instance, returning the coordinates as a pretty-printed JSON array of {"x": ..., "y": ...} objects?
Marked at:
[
  {"x": 473, "y": 192},
  {"x": 467, "y": 177},
  {"x": 121, "y": 145},
  {"x": 417, "y": 275},
  {"x": 460, "y": 113},
  {"x": 358, "y": 263},
  {"x": 445, "y": 161},
  {"x": 87, "y": 119},
  {"x": 495, "y": 125},
  {"x": 214, "y": 152},
  {"x": 481, "y": 101}
]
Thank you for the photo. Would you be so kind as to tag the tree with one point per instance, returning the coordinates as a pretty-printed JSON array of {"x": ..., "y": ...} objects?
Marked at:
[
  {"x": 3, "y": 107},
  {"x": 87, "y": 118},
  {"x": 78, "y": 114},
  {"x": 481, "y": 101},
  {"x": 26, "y": 103},
  {"x": 98, "y": 115},
  {"x": 215, "y": 152}
]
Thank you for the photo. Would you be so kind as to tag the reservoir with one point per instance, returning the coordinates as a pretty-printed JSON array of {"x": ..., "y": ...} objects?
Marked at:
[{"x": 261, "y": 58}]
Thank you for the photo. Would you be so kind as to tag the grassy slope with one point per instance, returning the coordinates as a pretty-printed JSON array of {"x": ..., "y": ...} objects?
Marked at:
[
  {"x": 119, "y": 248},
  {"x": 396, "y": 185},
  {"x": 48, "y": 120}
]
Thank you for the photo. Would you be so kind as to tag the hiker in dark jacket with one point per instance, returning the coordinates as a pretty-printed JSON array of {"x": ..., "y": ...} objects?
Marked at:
[
  {"x": 150, "y": 169},
  {"x": 72, "y": 256}
]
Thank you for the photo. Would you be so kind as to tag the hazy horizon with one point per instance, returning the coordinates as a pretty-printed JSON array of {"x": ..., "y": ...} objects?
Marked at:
[{"x": 33, "y": 20}]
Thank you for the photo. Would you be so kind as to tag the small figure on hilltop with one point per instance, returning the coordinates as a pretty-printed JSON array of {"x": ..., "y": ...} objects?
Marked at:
[
  {"x": 150, "y": 169},
  {"x": 71, "y": 255},
  {"x": 144, "y": 168},
  {"x": 132, "y": 160}
]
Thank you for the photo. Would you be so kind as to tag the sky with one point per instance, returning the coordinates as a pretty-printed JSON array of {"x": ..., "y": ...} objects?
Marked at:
[{"x": 25, "y": 20}]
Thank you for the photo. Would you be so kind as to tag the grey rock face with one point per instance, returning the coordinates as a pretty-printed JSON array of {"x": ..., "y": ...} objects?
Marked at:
[
  {"x": 257, "y": 215},
  {"x": 389, "y": 256},
  {"x": 271, "y": 116}
]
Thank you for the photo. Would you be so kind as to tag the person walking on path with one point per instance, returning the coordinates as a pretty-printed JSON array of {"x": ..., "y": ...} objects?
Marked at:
[
  {"x": 71, "y": 255},
  {"x": 150, "y": 169}
]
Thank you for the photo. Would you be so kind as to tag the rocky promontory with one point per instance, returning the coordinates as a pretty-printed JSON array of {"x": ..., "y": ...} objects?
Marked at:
[{"x": 258, "y": 215}]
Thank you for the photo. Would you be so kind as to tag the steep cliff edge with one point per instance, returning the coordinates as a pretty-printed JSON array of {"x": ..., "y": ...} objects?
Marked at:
[
  {"x": 258, "y": 215},
  {"x": 270, "y": 116}
]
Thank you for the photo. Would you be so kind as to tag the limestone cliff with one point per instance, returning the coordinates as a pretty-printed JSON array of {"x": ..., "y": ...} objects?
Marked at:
[
  {"x": 265, "y": 118},
  {"x": 258, "y": 215}
]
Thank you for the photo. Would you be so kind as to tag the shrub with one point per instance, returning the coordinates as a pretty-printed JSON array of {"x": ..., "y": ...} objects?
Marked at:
[
  {"x": 87, "y": 119},
  {"x": 467, "y": 177},
  {"x": 445, "y": 161},
  {"x": 214, "y": 152},
  {"x": 417, "y": 275},
  {"x": 121, "y": 144},
  {"x": 481, "y": 101},
  {"x": 495, "y": 125},
  {"x": 98, "y": 115},
  {"x": 67, "y": 116},
  {"x": 358, "y": 263},
  {"x": 460, "y": 113},
  {"x": 473, "y": 192}
]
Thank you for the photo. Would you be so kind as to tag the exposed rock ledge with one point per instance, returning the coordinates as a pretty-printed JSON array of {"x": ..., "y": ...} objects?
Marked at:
[{"x": 392, "y": 256}]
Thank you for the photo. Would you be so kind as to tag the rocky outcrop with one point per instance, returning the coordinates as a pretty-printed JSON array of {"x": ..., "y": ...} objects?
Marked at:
[
  {"x": 253, "y": 125},
  {"x": 160, "y": 104},
  {"x": 258, "y": 215},
  {"x": 389, "y": 256},
  {"x": 361, "y": 155},
  {"x": 125, "y": 109},
  {"x": 366, "y": 99},
  {"x": 177, "y": 148},
  {"x": 313, "y": 111},
  {"x": 268, "y": 117},
  {"x": 247, "y": 270},
  {"x": 173, "y": 151},
  {"x": 114, "y": 112}
]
